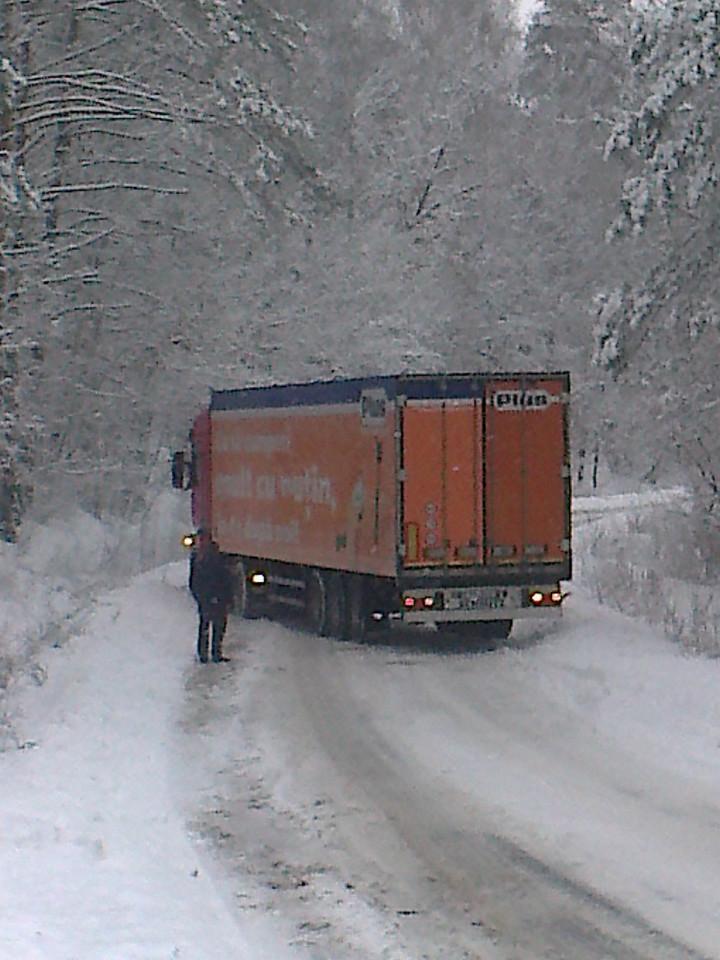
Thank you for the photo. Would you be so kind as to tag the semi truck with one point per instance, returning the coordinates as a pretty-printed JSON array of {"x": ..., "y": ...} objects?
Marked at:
[{"x": 440, "y": 500}]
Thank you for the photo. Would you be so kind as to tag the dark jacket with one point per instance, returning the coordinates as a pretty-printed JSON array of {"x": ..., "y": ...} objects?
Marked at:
[{"x": 210, "y": 580}]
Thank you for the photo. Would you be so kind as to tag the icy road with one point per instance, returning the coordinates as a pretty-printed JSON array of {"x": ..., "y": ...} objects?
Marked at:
[
  {"x": 558, "y": 798},
  {"x": 551, "y": 800}
]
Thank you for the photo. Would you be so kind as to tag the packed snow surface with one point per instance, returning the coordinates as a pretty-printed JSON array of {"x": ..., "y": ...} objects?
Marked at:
[
  {"x": 95, "y": 860},
  {"x": 309, "y": 798}
]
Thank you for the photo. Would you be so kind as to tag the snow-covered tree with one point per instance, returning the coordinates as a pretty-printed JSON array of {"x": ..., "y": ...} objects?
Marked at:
[
  {"x": 20, "y": 216},
  {"x": 427, "y": 244},
  {"x": 139, "y": 150},
  {"x": 667, "y": 131},
  {"x": 659, "y": 332},
  {"x": 670, "y": 115}
]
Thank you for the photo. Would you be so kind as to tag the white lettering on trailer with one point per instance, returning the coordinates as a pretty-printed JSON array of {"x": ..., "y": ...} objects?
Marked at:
[
  {"x": 261, "y": 531},
  {"x": 235, "y": 485},
  {"x": 265, "y": 487},
  {"x": 268, "y": 532},
  {"x": 227, "y": 442},
  {"x": 308, "y": 487}
]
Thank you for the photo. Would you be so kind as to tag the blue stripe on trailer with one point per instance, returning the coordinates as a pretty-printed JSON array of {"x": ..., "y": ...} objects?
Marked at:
[{"x": 412, "y": 386}]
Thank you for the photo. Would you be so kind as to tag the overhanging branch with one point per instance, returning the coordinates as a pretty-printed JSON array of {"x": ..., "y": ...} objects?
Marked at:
[{"x": 50, "y": 193}]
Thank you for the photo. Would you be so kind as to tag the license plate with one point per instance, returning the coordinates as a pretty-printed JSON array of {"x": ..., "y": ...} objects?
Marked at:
[{"x": 489, "y": 599}]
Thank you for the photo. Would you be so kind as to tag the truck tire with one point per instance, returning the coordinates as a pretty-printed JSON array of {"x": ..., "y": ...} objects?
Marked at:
[
  {"x": 248, "y": 602},
  {"x": 325, "y": 603},
  {"x": 335, "y": 604},
  {"x": 356, "y": 615},
  {"x": 316, "y": 602}
]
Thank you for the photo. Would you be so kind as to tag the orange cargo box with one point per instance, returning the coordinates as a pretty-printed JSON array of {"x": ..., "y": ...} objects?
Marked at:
[
  {"x": 306, "y": 483},
  {"x": 400, "y": 477}
]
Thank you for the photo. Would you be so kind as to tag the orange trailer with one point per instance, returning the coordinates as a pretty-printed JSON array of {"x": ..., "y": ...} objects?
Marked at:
[{"x": 434, "y": 499}]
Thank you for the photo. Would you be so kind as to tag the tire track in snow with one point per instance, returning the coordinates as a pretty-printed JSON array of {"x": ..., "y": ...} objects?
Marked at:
[{"x": 481, "y": 881}]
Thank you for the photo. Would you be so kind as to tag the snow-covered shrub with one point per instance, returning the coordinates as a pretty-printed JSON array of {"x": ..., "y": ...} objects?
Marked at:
[
  {"x": 78, "y": 550},
  {"x": 660, "y": 561},
  {"x": 36, "y": 611}
]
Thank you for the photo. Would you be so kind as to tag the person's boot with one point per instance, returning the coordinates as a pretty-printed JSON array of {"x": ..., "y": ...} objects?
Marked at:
[{"x": 217, "y": 641}]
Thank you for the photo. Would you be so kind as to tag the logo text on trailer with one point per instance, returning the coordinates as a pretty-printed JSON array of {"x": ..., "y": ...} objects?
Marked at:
[
  {"x": 521, "y": 399},
  {"x": 373, "y": 407}
]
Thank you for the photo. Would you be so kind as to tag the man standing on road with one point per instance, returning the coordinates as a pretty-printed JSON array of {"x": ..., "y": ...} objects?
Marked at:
[{"x": 211, "y": 585}]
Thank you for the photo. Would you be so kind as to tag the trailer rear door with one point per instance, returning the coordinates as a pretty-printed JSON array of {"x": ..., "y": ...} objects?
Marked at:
[
  {"x": 526, "y": 472},
  {"x": 442, "y": 496}
]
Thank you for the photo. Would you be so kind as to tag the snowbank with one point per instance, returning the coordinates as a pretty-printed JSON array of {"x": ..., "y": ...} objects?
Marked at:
[
  {"x": 652, "y": 554},
  {"x": 49, "y": 578}
]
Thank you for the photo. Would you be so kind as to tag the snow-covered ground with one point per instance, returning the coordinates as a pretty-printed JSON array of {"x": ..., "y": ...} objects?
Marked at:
[
  {"x": 95, "y": 860},
  {"x": 556, "y": 798}
]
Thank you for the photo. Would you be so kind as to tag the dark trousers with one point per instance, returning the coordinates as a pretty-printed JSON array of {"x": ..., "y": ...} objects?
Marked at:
[{"x": 217, "y": 619}]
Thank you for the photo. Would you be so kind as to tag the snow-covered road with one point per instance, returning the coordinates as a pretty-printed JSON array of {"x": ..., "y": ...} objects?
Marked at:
[
  {"x": 518, "y": 804},
  {"x": 558, "y": 798},
  {"x": 95, "y": 861}
]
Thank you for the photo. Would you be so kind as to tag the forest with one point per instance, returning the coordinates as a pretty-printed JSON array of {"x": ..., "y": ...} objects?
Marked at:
[{"x": 203, "y": 194}]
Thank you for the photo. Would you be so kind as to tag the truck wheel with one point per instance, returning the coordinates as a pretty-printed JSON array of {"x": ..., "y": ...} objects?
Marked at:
[
  {"x": 325, "y": 603},
  {"x": 356, "y": 619},
  {"x": 335, "y": 604},
  {"x": 248, "y": 602},
  {"x": 316, "y": 602}
]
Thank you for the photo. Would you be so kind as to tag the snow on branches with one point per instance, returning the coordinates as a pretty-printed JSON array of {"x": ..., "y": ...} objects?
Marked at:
[
  {"x": 659, "y": 333},
  {"x": 137, "y": 139},
  {"x": 673, "y": 110}
]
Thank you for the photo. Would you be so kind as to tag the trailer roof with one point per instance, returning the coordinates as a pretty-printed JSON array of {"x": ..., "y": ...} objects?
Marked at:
[{"x": 414, "y": 386}]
